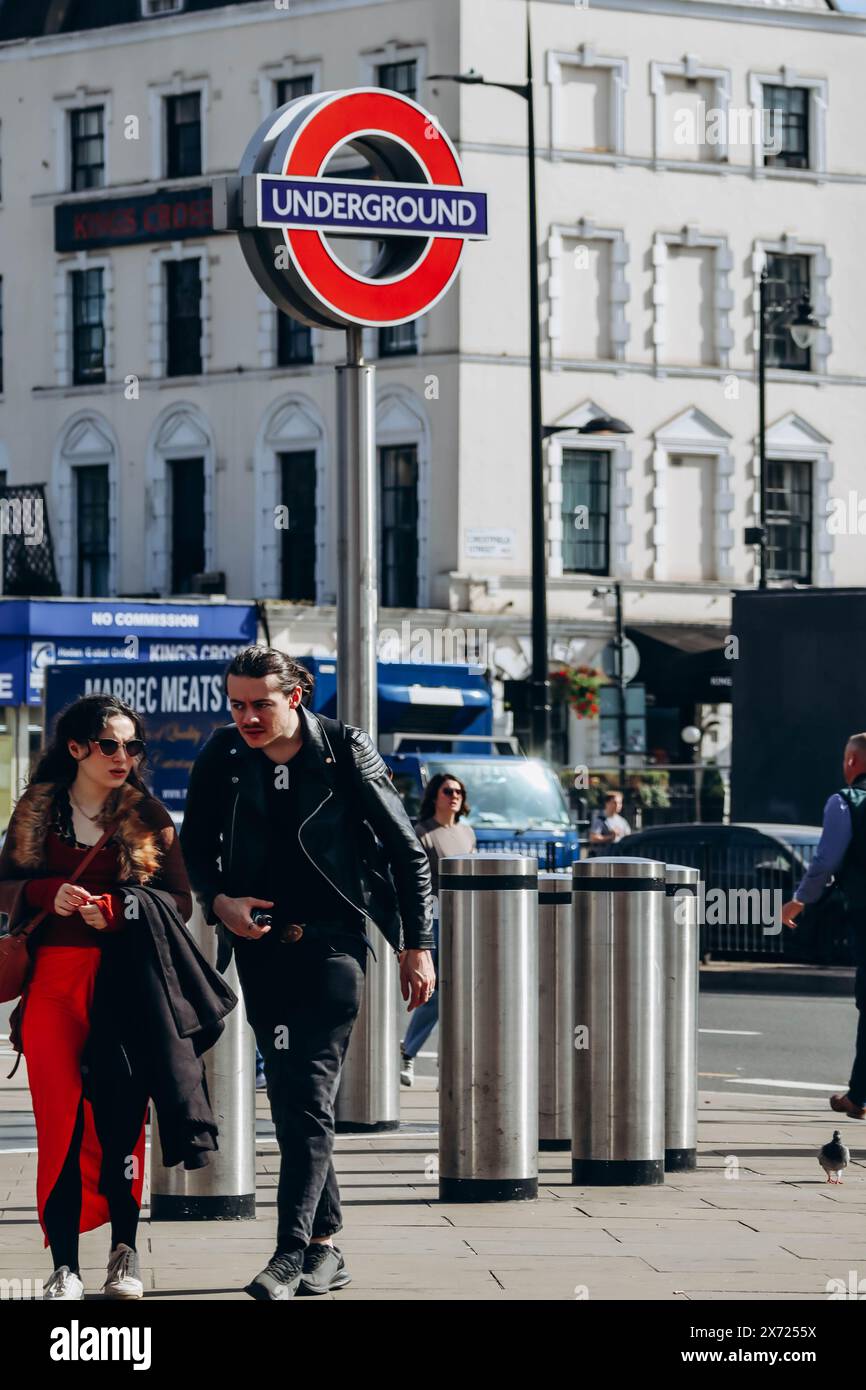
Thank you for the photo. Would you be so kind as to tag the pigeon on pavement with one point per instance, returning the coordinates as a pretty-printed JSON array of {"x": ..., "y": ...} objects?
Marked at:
[{"x": 834, "y": 1157}]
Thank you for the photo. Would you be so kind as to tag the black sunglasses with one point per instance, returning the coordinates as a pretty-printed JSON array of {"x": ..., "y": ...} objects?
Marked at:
[
  {"x": 452, "y": 791},
  {"x": 109, "y": 746}
]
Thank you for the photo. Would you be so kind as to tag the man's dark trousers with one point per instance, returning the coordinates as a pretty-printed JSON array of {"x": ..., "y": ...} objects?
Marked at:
[
  {"x": 857, "y": 1084},
  {"x": 302, "y": 999}
]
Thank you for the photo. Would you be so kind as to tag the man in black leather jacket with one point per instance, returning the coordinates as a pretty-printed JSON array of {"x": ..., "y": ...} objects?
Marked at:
[{"x": 294, "y": 816}]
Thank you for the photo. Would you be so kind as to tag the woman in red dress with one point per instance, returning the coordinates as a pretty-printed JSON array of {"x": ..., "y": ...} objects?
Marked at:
[{"x": 89, "y": 1118}]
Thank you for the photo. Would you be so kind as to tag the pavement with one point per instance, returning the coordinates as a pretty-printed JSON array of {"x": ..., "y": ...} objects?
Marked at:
[{"x": 757, "y": 1219}]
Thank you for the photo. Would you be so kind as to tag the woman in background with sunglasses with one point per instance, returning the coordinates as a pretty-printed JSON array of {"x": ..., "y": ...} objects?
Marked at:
[
  {"x": 89, "y": 1119},
  {"x": 440, "y": 832}
]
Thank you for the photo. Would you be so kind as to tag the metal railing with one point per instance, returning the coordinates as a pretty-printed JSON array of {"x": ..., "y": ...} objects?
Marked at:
[
  {"x": 743, "y": 889},
  {"x": 551, "y": 854}
]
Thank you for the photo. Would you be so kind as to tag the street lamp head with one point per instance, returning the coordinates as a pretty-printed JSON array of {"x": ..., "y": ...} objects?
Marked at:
[
  {"x": 600, "y": 424},
  {"x": 804, "y": 326},
  {"x": 691, "y": 734},
  {"x": 470, "y": 78},
  {"x": 605, "y": 424}
]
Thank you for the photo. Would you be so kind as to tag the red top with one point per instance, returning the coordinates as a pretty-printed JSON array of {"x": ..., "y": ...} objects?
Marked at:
[{"x": 98, "y": 878}]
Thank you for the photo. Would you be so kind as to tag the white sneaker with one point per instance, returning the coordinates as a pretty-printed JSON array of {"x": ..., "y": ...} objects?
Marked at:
[
  {"x": 123, "y": 1278},
  {"x": 63, "y": 1284}
]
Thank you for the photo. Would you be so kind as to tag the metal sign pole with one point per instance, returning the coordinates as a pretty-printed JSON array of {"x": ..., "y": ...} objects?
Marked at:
[
  {"x": 357, "y": 597},
  {"x": 369, "y": 1094}
]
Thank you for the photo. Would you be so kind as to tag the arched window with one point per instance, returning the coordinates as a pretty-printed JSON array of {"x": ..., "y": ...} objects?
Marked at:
[
  {"x": 84, "y": 486},
  {"x": 180, "y": 485}
]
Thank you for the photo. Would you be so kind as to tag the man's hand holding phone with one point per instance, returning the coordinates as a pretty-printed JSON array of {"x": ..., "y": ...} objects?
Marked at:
[{"x": 235, "y": 913}]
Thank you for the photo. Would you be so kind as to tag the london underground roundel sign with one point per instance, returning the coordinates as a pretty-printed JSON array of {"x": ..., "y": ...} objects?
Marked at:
[{"x": 409, "y": 196}]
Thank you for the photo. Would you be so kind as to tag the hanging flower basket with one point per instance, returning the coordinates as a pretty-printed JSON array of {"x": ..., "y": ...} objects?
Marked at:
[{"x": 579, "y": 686}]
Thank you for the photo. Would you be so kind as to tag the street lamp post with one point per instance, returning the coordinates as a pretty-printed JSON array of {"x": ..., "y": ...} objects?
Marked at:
[
  {"x": 608, "y": 424},
  {"x": 795, "y": 312},
  {"x": 539, "y": 737}
]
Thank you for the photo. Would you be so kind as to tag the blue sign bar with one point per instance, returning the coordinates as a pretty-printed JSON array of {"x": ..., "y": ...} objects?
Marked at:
[{"x": 374, "y": 208}]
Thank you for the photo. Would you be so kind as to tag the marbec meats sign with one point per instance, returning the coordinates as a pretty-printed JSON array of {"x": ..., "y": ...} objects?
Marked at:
[{"x": 287, "y": 208}]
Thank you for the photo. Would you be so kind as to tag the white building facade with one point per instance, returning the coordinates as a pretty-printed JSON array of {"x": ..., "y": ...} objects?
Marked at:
[{"x": 171, "y": 414}]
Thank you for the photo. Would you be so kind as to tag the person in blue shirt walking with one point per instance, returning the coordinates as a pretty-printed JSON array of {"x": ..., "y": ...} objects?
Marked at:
[{"x": 841, "y": 854}]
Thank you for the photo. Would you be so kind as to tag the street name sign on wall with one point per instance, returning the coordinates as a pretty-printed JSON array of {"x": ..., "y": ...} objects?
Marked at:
[
  {"x": 283, "y": 205},
  {"x": 167, "y": 215}
]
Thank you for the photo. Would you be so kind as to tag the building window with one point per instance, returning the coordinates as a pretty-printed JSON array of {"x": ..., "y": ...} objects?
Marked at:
[
  {"x": 87, "y": 148},
  {"x": 786, "y": 127},
  {"x": 1, "y": 335},
  {"x": 187, "y": 522},
  {"x": 183, "y": 136},
  {"x": 298, "y": 495},
  {"x": 788, "y": 501},
  {"x": 399, "y": 340},
  {"x": 91, "y": 510},
  {"x": 585, "y": 511},
  {"x": 88, "y": 327},
  {"x": 183, "y": 292},
  {"x": 294, "y": 341},
  {"x": 399, "y": 77},
  {"x": 398, "y": 480},
  {"x": 788, "y": 277},
  {"x": 290, "y": 88}
]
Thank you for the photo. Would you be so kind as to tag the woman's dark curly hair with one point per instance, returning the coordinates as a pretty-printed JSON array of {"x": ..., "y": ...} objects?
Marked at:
[
  {"x": 82, "y": 721},
  {"x": 431, "y": 791}
]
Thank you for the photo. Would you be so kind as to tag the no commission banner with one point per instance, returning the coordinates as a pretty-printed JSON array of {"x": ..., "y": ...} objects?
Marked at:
[{"x": 407, "y": 209}]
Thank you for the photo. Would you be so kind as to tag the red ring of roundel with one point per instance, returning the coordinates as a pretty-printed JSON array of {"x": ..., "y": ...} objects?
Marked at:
[{"x": 422, "y": 284}]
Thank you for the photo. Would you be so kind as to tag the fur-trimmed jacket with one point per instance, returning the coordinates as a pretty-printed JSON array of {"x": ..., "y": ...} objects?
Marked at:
[
  {"x": 149, "y": 852},
  {"x": 159, "y": 1004}
]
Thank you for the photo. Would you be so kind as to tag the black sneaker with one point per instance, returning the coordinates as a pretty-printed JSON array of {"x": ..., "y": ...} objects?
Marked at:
[
  {"x": 324, "y": 1269},
  {"x": 280, "y": 1279}
]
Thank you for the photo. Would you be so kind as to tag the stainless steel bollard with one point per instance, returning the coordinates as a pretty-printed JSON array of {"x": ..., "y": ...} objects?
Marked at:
[
  {"x": 555, "y": 1009},
  {"x": 618, "y": 1119},
  {"x": 226, "y": 1189},
  {"x": 368, "y": 1097},
  {"x": 488, "y": 1022},
  {"x": 681, "y": 1017}
]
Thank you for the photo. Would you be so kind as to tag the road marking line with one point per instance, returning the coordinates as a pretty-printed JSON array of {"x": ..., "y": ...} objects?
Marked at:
[
  {"x": 732, "y": 1032},
  {"x": 791, "y": 1085}
]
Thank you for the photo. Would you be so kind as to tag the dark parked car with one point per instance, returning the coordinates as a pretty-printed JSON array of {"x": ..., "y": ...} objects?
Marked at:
[{"x": 748, "y": 871}]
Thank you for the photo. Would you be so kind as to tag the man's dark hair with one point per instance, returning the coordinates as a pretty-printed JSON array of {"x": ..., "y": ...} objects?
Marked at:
[{"x": 257, "y": 662}]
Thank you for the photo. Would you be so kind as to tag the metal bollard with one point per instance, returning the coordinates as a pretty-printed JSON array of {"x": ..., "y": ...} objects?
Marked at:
[
  {"x": 555, "y": 1010},
  {"x": 681, "y": 1017},
  {"x": 226, "y": 1189},
  {"x": 618, "y": 1118},
  {"x": 368, "y": 1096},
  {"x": 488, "y": 1021}
]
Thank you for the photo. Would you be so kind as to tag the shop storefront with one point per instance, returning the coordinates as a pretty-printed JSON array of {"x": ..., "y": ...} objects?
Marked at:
[{"x": 36, "y": 634}]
